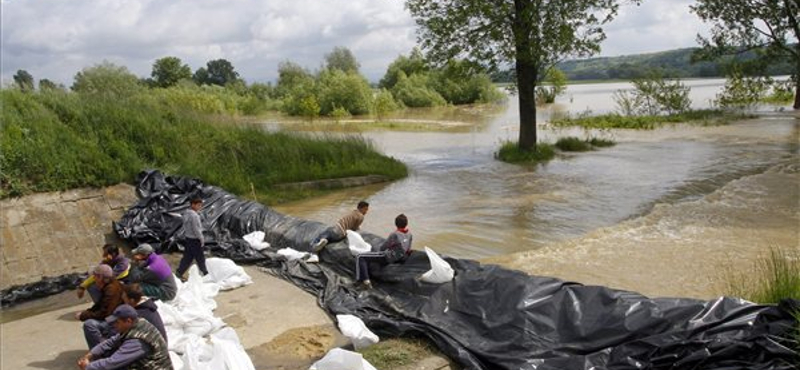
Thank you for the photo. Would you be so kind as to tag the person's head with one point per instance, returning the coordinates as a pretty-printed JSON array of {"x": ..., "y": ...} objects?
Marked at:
[
  {"x": 132, "y": 294},
  {"x": 123, "y": 318},
  {"x": 102, "y": 274},
  {"x": 196, "y": 203},
  {"x": 363, "y": 207},
  {"x": 401, "y": 221},
  {"x": 142, "y": 252},
  {"x": 110, "y": 251}
]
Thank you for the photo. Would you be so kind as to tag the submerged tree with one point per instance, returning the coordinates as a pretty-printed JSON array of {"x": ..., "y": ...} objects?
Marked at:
[
  {"x": 534, "y": 35},
  {"x": 768, "y": 27}
]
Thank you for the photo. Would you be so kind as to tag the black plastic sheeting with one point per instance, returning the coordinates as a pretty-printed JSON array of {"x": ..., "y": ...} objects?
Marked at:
[
  {"x": 42, "y": 288},
  {"x": 488, "y": 317}
]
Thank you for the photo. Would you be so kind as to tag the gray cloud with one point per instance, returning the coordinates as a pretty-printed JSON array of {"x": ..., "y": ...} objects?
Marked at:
[{"x": 56, "y": 39}]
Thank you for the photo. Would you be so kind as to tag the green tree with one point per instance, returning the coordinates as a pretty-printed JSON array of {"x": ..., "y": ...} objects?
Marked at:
[
  {"x": 290, "y": 76},
  {"x": 557, "y": 84},
  {"x": 770, "y": 27},
  {"x": 23, "y": 80},
  {"x": 46, "y": 85},
  {"x": 342, "y": 59},
  {"x": 349, "y": 91},
  {"x": 216, "y": 72},
  {"x": 106, "y": 79},
  {"x": 409, "y": 65},
  {"x": 168, "y": 71},
  {"x": 384, "y": 104},
  {"x": 532, "y": 34}
]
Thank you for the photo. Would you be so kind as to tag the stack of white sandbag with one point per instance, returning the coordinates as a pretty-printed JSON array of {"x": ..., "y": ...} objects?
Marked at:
[{"x": 197, "y": 339}]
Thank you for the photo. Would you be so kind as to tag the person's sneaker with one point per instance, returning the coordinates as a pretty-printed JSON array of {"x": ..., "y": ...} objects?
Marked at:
[
  {"x": 319, "y": 245},
  {"x": 366, "y": 284}
]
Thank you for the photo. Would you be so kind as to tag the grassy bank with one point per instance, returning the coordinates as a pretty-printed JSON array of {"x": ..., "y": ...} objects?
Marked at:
[
  {"x": 704, "y": 117},
  {"x": 58, "y": 140}
]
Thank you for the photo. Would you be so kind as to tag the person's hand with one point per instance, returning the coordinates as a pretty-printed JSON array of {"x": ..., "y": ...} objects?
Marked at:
[
  {"x": 81, "y": 291},
  {"x": 83, "y": 362},
  {"x": 78, "y": 315}
]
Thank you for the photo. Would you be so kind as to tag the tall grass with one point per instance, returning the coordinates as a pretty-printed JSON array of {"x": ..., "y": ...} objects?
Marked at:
[
  {"x": 776, "y": 276},
  {"x": 57, "y": 140},
  {"x": 509, "y": 152},
  {"x": 614, "y": 120}
]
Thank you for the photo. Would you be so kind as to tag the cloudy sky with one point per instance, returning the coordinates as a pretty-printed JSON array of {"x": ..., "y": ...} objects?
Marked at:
[{"x": 57, "y": 38}]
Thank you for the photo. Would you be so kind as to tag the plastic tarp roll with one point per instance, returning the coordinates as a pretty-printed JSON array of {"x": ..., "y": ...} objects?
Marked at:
[{"x": 486, "y": 317}]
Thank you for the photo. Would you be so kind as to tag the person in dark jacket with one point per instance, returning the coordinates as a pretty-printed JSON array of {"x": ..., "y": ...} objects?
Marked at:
[
  {"x": 395, "y": 249},
  {"x": 138, "y": 345},
  {"x": 193, "y": 241},
  {"x": 153, "y": 274},
  {"x": 94, "y": 328},
  {"x": 145, "y": 307},
  {"x": 120, "y": 265}
]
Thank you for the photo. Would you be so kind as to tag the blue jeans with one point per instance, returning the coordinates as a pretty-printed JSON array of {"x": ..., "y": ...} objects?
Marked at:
[{"x": 96, "y": 331}]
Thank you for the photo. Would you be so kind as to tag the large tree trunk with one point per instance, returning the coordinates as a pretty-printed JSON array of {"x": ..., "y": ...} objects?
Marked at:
[
  {"x": 526, "y": 87},
  {"x": 526, "y": 74},
  {"x": 796, "y": 94}
]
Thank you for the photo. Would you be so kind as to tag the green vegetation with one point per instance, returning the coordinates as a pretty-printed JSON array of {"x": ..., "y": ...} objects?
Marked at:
[
  {"x": 56, "y": 140},
  {"x": 653, "y": 95},
  {"x": 574, "y": 144},
  {"x": 556, "y": 85},
  {"x": 396, "y": 353},
  {"x": 511, "y": 153},
  {"x": 775, "y": 276},
  {"x": 705, "y": 117}
]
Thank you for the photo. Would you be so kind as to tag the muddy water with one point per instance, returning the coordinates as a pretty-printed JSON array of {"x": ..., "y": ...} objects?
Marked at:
[{"x": 662, "y": 213}]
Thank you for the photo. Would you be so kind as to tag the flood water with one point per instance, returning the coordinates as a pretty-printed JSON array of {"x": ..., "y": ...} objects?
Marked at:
[{"x": 664, "y": 212}]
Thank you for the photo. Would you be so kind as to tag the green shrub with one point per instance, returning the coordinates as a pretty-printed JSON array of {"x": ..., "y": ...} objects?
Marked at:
[
  {"x": 414, "y": 92},
  {"x": 614, "y": 120},
  {"x": 653, "y": 95},
  {"x": 107, "y": 79},
  {"x": 349, "y": 91},
  {"x": 601, "y": 143},
  {"x": 556, "y": 85},
  {"x": 510, "y": 152},
  {"x": 742, "y": 92},
  {"x": 384, "y": 104}
]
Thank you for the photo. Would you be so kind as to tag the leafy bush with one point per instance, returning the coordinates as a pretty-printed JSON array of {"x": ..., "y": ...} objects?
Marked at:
[
  {"x": 384, "y": 104},
  {"x": 414, "y": 92},
  {"x": 653, "y": 95},
  {"x": 556, "y": 85},
  {"x": 349, "y": 91},
  {"x": 614, "y": 120},
  {"x": 573, "y": 144},
  {"x": 107, "y": 79}
]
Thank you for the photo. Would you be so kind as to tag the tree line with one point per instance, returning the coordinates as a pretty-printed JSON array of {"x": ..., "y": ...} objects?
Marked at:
[{"x": 337, "y": 89}]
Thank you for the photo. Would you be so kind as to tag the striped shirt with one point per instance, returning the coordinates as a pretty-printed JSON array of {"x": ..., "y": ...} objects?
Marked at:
[{"x": 351, "y": 221}]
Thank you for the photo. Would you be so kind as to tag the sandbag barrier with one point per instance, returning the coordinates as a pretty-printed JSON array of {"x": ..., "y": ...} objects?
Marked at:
[{"x": 487, "y": 317}]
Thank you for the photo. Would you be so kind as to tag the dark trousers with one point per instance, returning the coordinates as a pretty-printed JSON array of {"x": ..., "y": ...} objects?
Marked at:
[
  {"x": 193, "y": 250},
  {"x": 364, "y": 260}
]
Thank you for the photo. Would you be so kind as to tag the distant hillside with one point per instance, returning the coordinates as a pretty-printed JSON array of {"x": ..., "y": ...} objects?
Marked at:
[{"x": 671, "y": 63}]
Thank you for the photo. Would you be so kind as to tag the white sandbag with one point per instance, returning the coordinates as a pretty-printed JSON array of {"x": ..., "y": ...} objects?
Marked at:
[
  {"x": 226, "y": 274},
  {"x": 256, "y": 240},
  {"x": 292, "y": 254},
  {"x": 440, "y": 271},
  {"x": 340, "y": 359},
  {"x": 228, "y": 347},
  {"x": 356, "y": 243},
  {"x": 355, "y": 329}
]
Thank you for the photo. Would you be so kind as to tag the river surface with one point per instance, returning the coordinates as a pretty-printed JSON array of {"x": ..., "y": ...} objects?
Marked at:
[{"x": 665, "y": 212}]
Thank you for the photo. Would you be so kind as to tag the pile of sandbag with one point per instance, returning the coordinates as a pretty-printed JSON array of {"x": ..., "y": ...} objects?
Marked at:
[{"x": 197, "y": 339}]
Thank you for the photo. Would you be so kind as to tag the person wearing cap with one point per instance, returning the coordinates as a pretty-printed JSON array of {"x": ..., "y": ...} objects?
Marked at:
[
  {"x": 193, "y": 241},
  {"x": 153, "y": 273},
  {"x": 137, "y": 345},
  {"x": 93, "y": 318},
  {"x": 144, "y": 306},
  {"x": 120, "y": 265}
]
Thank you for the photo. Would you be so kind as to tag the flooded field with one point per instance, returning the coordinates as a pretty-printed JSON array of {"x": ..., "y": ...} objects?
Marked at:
[{"x": 663, "y": 212}]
